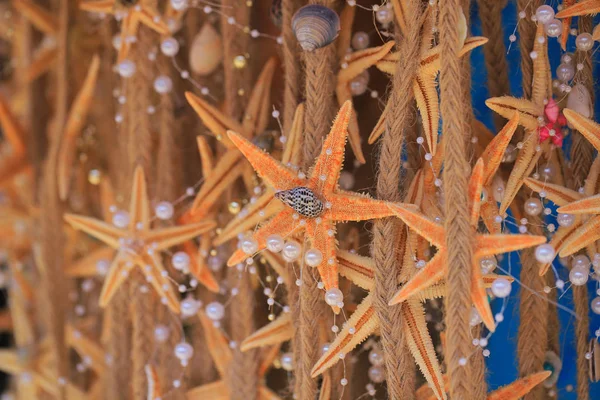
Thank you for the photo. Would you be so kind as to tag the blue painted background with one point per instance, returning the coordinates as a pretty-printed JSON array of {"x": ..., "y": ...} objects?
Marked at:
[{"x": 502, "y": 363}]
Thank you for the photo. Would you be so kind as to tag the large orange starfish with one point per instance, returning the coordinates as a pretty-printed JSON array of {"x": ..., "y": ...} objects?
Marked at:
[
  {"x": 315, "y": 204},
  {"x": 583, "y": 7},
  {"x": 131, "y": 18},
  {"x": 138, "y": 245},
  {"x": 484, "y": 246}
]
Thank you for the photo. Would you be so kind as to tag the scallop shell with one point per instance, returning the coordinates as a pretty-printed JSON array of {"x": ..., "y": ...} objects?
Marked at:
[
  {"x": 206, "y": 52},
  {"x": 594, "y": 361},
  {"x": 315, "y": 26},
  {"x": 579, "y": 100}
]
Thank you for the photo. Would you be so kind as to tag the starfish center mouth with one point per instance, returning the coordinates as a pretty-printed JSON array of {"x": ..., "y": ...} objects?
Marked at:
[{"x": 302, "y": 200}]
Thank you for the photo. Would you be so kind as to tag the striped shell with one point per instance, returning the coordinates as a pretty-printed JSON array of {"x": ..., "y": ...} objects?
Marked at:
[
  {"x": 315, "y": 26},
  {"x": 302, "y": 200}
]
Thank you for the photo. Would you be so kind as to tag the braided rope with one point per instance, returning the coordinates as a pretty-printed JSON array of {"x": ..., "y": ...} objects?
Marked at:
[
  {"x": 527, "y": 30},
  {"x": 291, "y": 66}
]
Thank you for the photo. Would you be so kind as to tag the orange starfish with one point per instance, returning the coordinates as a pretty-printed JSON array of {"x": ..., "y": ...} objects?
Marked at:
[
  {"x": 531, "y": 113},
  {"x": 485, "y": 246},
  {"x": 583, "y": 7},
  {"x": 131, "y": 17},
  {"x": 218, "y": 347},
  {"x": 566, "y": 23},
  {"x": 13, "y": 153},
  {"x": 315, "y": 204},
  {"x": 138, "y": 245}
]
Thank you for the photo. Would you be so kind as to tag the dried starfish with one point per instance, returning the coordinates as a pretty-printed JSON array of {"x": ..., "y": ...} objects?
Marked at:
[
  {"x": 424, "y": 89},
  {"x": 230, "y": 165},
  {"x": 218, "y": 347},
  {"x": 315, "y": 204},
  {"x": 485, "y": 246},
  {"x": 75, "y": 120},
  {"x": 131, "y": 17},
  {"x": 566, "y": 23},
  {"x": 46, "y": 23},
  {"x": 13, "y": 155},
  {"x": 531, "y": 113},
  {"x": 584, "y": 7},
  {"x": 87, "y": 349},
  {"x": 138, "y": 245},
  {"x": 154, "y": 389}
]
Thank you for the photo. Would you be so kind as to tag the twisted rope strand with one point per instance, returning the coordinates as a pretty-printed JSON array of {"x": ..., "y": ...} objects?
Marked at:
[{"x": 291, "y": 66}]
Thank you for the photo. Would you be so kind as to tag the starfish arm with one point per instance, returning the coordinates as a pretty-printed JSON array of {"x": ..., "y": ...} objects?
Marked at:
[
  {"x": 216, "y": 122},
  {"x": 584, "y": 235},
  {"x": 11, "y": 128},
  {"x": 403, "y": 13},
  {"x": 379, "y": 127},
  {"x": 322, "y": 237},
  {"x": 325, "y": 392},
  {"x": 129, "y": 26},
  {"x": 10, "y": 362},
  {"x": 519, "y": 388},
  {"x": 264, "y": 393},
  {"x": 360, "y": 61},
  {"x": 40, "y": 18},
  {"x": 558, "y": 242},
  {"x": 584, "y": 7},
  {"x": 75, "y": 120},
  {"x": 528, "y": 111},
  {"x": 358, "y": 269},
  {"x": 588, "y": 128},
  {"x": 480, "y": 298},
  {"x": 431, "y": 62},
  {"x": 541, "y": 87},
  {"x": 429, "y": 108},
  {"x": 489, "y": 245},
  {"x": 107, "y": 198},
  {"x": 256, "y": 117},
  {"x": 154, "y": 391},
  {"x": 588, "y": 205},
  {"x": 139, "y": 206},
  {"x": 217, "y": 344},
  {"x": 348, "y": 206},
  {"x": 420, "y": 224},
  {"x": 589, "y": 188},
  {"x": 152, "y": 20},
  {"x": 87, "y": 265},
  {"x": 214, "y": 391},
  {"x": 559, "y": 195},
  {"x": 206, "y": 156},
  {"x": 364, "y": 321},
  {"x": 432, "y": 273},
  {"x": 344, "y": 38},
  {"x": 86, "y": 347},
  {"x": 96, "y": 228},
  {"x": 155, "y": 273},
  {"x": 268, "y": 355},
  {"x": 46, "y": 382},
  {"x": 42, "y": 62},
  {"x": 489, "y": 211},
  {"x": 494, "y": 151},
  {"x": 19, "y": 319},
  {"x": 198, "y": 267},
  {"x": 293, "y": 144},
  {"x": 167, "y": 237},
  {"x": 421, "y": 346},
  {"x": 117, "y": 274},
  {"x": 270, "y": 170},
  {"x": 278, "y": 331},
  {"x": 566, "y": 25},
  {"x": 98, "y": 6},
  {"x": 330, "y": 160},
  {"x": 474, "y": 192}
]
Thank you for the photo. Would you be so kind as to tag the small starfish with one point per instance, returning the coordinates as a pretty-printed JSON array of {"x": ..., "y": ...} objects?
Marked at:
[
  {"x": 131, "y": 17},
  {"x": 315, "y": 204},
  {"x": 218, "y": 347},
  {"x": 75, "y": 120},
  {"x": 138, "y": 245},
  {"x": 531, "y": 114},
  {"x": 424, "y": 89},
  {"x": 566, "y": 23},
  {"x": 154, "y": 389},
  {"x": 88, "y": 350},
  {"x": 485, "y": 246},
  {"x": 583, "y": 7},
  {"x": 13, "y": 153}
]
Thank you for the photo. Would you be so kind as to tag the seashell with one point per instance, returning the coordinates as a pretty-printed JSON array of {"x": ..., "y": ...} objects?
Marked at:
[
  {"x": 553, "y": 364},
  {"x": 315, "y": 26},
  {"x": 206, "y": 52},
  {"x": 594, "y": 360},
  {"x": 302, "y": 200},
  {"x": 462, "y": 27},
  {"x": 276, "y": 13},
  {"x": 579, "y": 100}
]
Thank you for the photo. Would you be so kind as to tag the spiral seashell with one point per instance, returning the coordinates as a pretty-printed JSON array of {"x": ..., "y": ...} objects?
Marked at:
[
  {"x": 552, "y": 363},
  {"x": 206, "y": 52},
  {"x": 302, "y": 200},
  {"x": 315, "y": 26},
  {"x": 579, "y": 100}
]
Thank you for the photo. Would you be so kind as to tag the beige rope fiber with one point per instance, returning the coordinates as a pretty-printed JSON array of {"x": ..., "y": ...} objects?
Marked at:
[
  {"x": 527, "y": 28},
  {"x": 291, "y": 66}
]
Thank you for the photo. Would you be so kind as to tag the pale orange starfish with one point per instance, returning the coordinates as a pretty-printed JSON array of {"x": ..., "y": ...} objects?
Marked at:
[
  {"x": 531, "y": 113},
  {"x": 138, "y": 245},
  {"x": 566, "y": 21},
  {"x": 13, "y": 153},
  {"x": 218, "y": 347},
  {"x": 131, "y": 17},
  {"x": 315, "y": 204},
  {"x": 484, "y": 246},
  {"x": 583, "y": 7}
]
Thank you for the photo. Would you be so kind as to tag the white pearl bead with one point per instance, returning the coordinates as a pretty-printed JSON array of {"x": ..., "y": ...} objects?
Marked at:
[
  {"x": 565, "y": 72},
  {"x": 249, "y": 246},
  {"x": 384, "y": 15},
  {"x": 287, "y": 361},
  {"x": 579, "y": 275},
  {"x": 275, "y": 243},
  {"x": 376, "y": 374},
  {"x": 533, "y": 206},
  {"x": 180, "y": 261},
  {"x": 161, "y": 333},
  {"x": 313, "y": 257},
  {"x": 581, "y": 261},
  {"x": 163, "y": 84},
  {"x": 189, "y": 306},
  {"x": 215, "y": 311},
  {"x": 544, "y": 14},
  {"x": 126, "y": 68},
  {"x": 184, "y": 351},
  {"x": 120, "y": 219},
  {"x": 376, "y": 356},
  {"x": 179, "y": 5},
  {"x": 169, "y": 47},
  {"x": 346, "y": 180},
  {"x": 360, "y": 40},
  {"x": 360, "y": 84},
  {"x": 501, "y": 287},
  {"x": 334, "y": 296},
  {"x": 325, "y": 348},
  {"x": 102, "y": 267},
  {"x": 545, "y": 253},
  {"x": 164, "y": 210},
  {"x": 488, "y": 264},
  {"x": 553, "y": 28},
  {"x": 596, "y": 305},
  {"x": 291, "y": 251},
  {"x": 584, "y": 41},
  {"x": 565, "y": 219}
]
